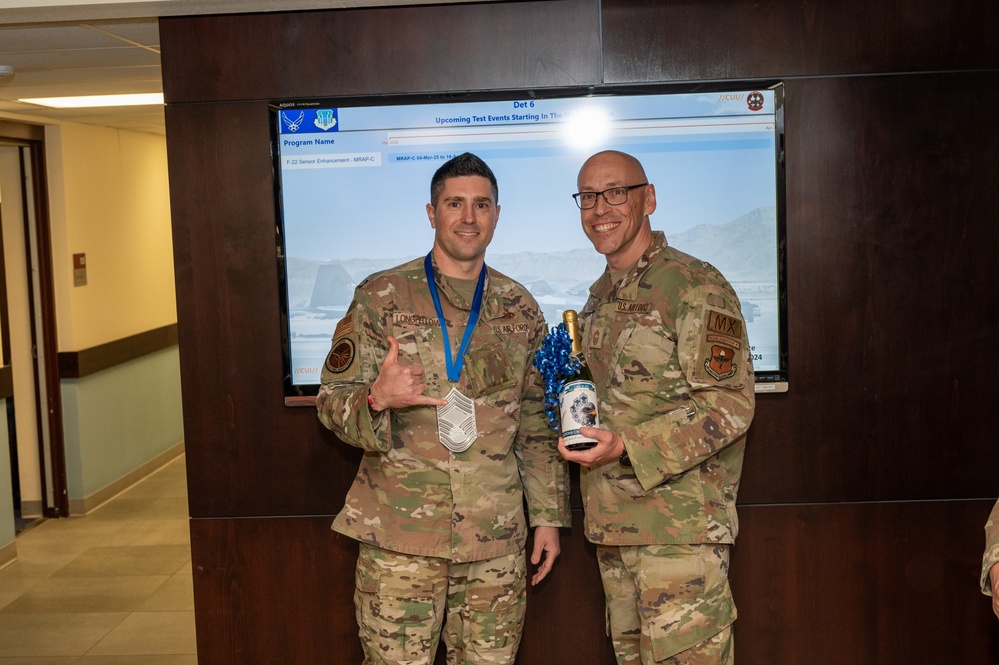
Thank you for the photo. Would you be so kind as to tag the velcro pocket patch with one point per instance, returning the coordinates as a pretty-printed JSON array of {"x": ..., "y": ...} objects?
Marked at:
[{"x": 489, "y": 370}]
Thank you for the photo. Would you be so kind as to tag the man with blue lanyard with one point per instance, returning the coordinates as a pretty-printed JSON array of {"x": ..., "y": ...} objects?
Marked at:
[{"x": 431, "y": 374}]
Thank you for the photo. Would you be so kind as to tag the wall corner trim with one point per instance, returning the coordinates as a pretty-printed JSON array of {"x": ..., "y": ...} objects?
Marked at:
[{"x": 78, "y": 364}]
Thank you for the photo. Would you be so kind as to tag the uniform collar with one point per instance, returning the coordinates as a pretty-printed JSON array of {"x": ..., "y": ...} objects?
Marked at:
[
  {"x": 605, "y": 289},
  {"x": 492, "y": 300}
]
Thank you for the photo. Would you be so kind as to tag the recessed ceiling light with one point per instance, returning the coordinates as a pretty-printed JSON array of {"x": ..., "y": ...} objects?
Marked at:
[{"x": 92, "y": 101}]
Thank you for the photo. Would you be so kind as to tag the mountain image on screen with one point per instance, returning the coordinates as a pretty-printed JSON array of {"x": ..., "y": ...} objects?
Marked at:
[{"x": 742, "y": 250}]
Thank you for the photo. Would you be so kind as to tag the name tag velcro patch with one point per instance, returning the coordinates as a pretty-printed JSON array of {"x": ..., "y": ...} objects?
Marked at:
[
  {"x": 510, "y": 328},
  {"x": 631, "y": 307},
  {"x": 416, "y": 319}
]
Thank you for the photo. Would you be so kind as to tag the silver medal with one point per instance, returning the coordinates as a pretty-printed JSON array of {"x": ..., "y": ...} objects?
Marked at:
[{"x": 456, "y": 422}]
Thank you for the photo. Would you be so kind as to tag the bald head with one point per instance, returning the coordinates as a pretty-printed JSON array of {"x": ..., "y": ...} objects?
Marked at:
[{"x": 628, "y": 167}]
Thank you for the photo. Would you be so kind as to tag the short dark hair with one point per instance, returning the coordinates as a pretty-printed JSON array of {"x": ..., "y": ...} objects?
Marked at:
[{"x": 464, "y": 164}]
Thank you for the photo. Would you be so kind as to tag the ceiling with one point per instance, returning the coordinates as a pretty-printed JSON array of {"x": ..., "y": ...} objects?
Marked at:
[
  {"x": 85, "y": 58},
  {"x": 58, "y": 49}
]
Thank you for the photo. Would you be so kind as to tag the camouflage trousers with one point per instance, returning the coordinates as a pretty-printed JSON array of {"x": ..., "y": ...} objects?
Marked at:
[
  {"x": 402, "y": 601},
  {"x": 668, "y": 604}
]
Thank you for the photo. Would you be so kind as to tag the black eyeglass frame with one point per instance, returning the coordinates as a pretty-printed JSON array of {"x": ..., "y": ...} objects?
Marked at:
[{"x": 627, "y": 191}]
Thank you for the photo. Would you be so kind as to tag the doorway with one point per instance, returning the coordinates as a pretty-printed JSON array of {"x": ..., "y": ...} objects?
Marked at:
[{"x": 27, "y": 329}]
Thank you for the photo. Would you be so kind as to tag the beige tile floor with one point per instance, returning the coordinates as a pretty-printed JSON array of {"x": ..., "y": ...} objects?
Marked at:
[{"x": 111, "y": 588}]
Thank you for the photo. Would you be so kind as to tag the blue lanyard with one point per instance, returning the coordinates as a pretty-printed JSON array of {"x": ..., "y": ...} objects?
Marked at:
[{"x": 454, "y": 365}]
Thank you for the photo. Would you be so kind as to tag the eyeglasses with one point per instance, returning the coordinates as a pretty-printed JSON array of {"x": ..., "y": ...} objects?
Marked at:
[{"x": 615, "y": 196}]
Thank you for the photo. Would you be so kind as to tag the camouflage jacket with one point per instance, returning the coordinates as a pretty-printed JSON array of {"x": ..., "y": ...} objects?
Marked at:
[
  {"x": 411, "y": 494},
  {"x": 991, "y": 555},
  {"x": 669, "y": 354}
]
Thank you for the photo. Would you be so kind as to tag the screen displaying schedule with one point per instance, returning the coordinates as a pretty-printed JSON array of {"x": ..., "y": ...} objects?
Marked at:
[{"x": 353, "y": 181}]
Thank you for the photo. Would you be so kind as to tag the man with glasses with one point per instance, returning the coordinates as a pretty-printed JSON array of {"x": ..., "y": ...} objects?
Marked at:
[
  {"x": 431, "y": 374},
  {"x": 664, "y": 336}
]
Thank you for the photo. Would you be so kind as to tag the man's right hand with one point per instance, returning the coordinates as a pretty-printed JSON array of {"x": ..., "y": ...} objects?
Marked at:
[{"x": 399, "y": 386}]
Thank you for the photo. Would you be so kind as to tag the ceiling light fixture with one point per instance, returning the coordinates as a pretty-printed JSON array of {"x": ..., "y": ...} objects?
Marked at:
[{"x": 93, "y": 101}]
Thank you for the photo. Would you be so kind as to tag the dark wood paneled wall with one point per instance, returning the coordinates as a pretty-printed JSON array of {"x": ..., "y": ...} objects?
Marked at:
[{"x": 866, "y": 486}]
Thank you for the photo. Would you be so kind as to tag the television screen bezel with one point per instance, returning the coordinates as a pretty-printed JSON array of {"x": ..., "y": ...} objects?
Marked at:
[{"x": 769, "y": 381}]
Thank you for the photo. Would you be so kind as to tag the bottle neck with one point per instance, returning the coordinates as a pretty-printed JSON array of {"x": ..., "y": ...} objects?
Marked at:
[{"x": 577, "y": 345}]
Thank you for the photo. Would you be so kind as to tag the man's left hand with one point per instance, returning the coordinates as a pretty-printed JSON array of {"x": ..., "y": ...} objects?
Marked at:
[{"x": 546, "y": 543}]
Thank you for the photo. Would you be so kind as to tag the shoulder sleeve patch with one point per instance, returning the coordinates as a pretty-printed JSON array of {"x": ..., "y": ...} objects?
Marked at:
[
  {"x": 719, "y": 365},
  {"x": 720, "y": 350},
  {"x": 340, "y": 357},
  {"x": 343, "y": 350}
]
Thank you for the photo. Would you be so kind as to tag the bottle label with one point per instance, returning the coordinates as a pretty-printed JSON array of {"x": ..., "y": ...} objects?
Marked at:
[{"x": 578, "y": 408}]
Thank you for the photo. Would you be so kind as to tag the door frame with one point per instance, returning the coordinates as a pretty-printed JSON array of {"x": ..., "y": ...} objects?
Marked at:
[{"x": 41, "y": 295}]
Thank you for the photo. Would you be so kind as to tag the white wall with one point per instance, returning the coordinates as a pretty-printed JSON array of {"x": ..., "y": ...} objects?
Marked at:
[{"x": 109, "y": 199}]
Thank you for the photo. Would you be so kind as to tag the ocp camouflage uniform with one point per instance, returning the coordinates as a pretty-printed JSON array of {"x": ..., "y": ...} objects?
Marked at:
[
  {"x": 668, "y": 349},
  {"x": 991, "y": 555},
  {"x": 413, "y": 496}
]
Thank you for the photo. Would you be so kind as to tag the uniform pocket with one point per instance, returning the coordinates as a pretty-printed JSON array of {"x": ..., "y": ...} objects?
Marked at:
[
  {"x": 688, "y": 622},
  {"x": 420, "y": 347},
  {"x": 642, "y": 360},
  {"x": 496, "y": 612},
  {"x": 490, "y": 370},
  {"x": 395, "y": 610}
]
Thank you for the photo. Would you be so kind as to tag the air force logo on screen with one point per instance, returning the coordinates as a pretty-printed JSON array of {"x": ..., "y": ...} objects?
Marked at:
[
  {"x": 326, "y": 119},
  {"x": 292, "y": 121}
]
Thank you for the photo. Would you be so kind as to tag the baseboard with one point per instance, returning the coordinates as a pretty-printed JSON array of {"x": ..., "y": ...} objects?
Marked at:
[
  {"x": 31, "y": 508},
  {"x": 8, "y": 554},
  {"x": 87, "y": 505}
]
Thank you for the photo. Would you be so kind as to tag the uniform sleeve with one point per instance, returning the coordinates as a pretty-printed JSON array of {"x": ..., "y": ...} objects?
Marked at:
[
  {"x": 356, "y": 353},
  {"x": 713, "y": 350},
  {"x": 991, "y": 556},
  {"x": 544, "y": 473}
]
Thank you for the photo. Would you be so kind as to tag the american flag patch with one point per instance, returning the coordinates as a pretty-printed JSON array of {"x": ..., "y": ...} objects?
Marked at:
[{"x": 345, "y": 327}]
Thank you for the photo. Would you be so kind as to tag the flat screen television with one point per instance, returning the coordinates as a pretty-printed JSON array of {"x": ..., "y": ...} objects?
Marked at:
[{"x": 352, "y": 177}]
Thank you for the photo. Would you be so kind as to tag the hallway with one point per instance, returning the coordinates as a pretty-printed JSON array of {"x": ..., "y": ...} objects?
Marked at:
[{"x": 110, "y": 588}]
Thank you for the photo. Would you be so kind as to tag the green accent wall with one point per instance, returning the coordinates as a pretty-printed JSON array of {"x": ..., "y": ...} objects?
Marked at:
[{"x": 120, "y": 418}]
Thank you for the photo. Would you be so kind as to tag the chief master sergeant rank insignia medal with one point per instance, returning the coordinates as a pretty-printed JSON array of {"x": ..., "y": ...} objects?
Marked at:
[
  {"x": 456, "y": 427},
  {"x": 456, "y": 422}
]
